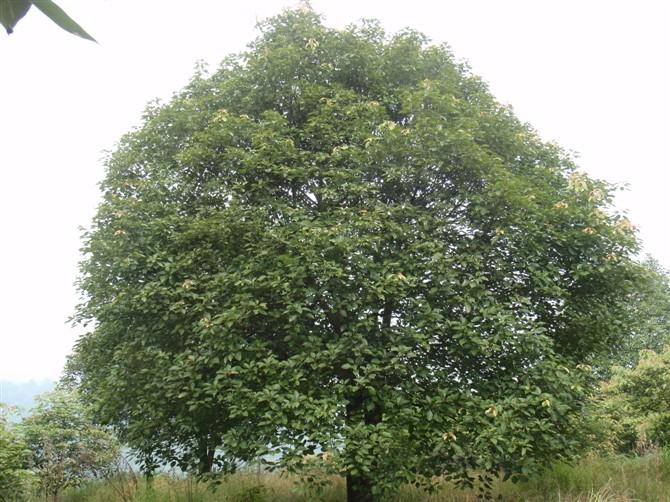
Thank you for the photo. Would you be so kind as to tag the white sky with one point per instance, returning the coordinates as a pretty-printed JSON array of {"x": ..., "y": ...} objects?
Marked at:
[{"x": 592, "y": 75}]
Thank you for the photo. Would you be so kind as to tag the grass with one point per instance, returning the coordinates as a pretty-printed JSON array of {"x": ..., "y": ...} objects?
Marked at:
[
  {"x": 594, "y": 479},
  {"x": 622, "y": 479}
]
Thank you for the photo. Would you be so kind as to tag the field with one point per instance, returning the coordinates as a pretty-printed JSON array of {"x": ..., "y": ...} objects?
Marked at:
[{"x": 594, "y": 479}]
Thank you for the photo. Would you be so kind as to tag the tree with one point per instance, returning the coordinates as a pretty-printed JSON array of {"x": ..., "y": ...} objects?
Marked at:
[
  {"x": 66, "y": 447},
  {"x": 14, "y": 475},
  {"x": 649, "y": 305},
  {"x": 634, "y": 408},
  {"x": 340, "y": 242},
  {"x": 11, "y": 12}
]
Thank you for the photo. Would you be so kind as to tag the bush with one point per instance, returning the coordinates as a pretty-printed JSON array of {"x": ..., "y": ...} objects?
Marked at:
[
  {"x": 633, "y": 413},
  {"x": 14, "y": 477},
  {"x": 66, "y": 446}
]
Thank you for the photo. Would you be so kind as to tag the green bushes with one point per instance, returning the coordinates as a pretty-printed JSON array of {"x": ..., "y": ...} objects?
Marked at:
[
  {"x": 14, "y": 476},
  {"x": 65, "y": 446},
  {"x": 633, "y": 412},
  {"x": 55, "y": 447},
  {"x": 594, "y": 479}
]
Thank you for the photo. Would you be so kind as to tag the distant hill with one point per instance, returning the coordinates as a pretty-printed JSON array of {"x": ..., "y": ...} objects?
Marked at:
[{"x": 22, "y": 394}]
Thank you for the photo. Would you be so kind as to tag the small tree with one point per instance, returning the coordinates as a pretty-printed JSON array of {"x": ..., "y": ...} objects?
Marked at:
[
  {"x": 649, "y": 306},
  {"x": 14, "y": 458},
  {"x": 66, "y": 446},
  {"x": 634, "y": 408}
]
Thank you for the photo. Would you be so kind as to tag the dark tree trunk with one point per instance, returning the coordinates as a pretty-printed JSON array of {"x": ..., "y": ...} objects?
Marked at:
[
  {"x": 206, "y": 453},
  {"x": 359, "y": 489},
  {"x": 361, "y": 407}
]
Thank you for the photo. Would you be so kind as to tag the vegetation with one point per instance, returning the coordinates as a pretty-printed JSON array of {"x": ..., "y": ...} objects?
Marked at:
[
  {"x": 635, "y": 408},
  {"x": 340, "y": 249},
  {"x": 650, "y": 305},
  {"x": 338, "y": 269},
  {"x": 630, "y": 417},
  {"x": 65, "y": 446},
  {"x": 594, "y": 479},
  {"x": 14, "y": 454}
]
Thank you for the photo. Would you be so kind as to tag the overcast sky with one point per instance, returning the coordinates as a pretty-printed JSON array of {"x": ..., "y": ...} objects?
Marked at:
[{"x": 593, "y": 76}]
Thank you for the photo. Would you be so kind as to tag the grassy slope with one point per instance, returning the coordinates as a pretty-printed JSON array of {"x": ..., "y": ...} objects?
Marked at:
[{"x": 594, "y": 479}]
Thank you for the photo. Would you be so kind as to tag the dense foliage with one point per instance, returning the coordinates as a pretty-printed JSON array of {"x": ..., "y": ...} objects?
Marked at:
[
  {"x": 649, "y": 305},
  {"x": 340, "y": 242},
  {"x": 65, "y": 446},
  {"x": 14, "y": 474},
  {"x": 634, "y": 410}
]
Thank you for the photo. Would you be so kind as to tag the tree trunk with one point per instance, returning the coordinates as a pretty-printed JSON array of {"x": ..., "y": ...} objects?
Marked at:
[
  {"x": 359, "y": 489},
  {"x": 206, "y": 453}
]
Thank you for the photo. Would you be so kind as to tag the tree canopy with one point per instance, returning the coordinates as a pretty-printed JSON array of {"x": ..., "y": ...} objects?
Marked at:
[{"x": 341, "y": 242}]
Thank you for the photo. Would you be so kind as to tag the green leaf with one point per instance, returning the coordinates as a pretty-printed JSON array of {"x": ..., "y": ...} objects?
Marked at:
[
  {"x": 58, "y": 16},
  {"x": 11, "y": 11}
]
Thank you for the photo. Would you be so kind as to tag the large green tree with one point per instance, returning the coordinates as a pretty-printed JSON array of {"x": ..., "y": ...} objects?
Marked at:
[{"x": 340, "y": 242}]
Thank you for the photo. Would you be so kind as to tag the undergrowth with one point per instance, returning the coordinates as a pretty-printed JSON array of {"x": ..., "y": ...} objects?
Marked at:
[{"x": 593, "y": 479}]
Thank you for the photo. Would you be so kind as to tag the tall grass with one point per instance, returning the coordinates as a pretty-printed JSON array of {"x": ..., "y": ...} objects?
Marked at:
[{"x": 594, "y": 479}]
